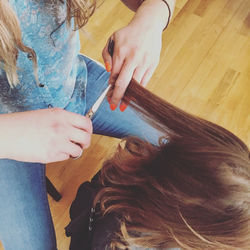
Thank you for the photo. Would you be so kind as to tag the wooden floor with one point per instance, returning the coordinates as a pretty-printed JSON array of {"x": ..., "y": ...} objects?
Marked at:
[{"x": 204, "y": 69}]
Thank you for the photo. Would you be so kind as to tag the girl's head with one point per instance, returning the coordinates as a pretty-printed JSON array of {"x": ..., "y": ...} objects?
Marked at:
[
  {"x": 192, "y": 191},
  {"x": 11, "y": 35}
]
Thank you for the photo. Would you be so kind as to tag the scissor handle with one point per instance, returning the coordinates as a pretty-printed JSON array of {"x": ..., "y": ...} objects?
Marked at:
[
  {"x": 111, "y": 46},
  {"x": 90, "y": 114}
]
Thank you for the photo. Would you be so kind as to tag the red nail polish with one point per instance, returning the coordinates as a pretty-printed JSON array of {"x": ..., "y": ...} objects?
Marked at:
[
  {"x": 112, "y": 106},
  {"x": 123, "y": 107},
  {"x": 107, "y": 66}
]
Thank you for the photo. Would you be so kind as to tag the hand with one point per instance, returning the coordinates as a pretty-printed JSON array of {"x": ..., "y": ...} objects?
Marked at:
[
  {"x": 44, "y": 136},
  {"x": 136, "y": 55}
]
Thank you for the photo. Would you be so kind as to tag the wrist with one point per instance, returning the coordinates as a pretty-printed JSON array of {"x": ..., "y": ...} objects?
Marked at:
[
  {"x": 5, "y": 141},
  {"x": 169, "y": 12},
  {"x": 2, "y": 139},
  {"x": 154, "y": 14}
]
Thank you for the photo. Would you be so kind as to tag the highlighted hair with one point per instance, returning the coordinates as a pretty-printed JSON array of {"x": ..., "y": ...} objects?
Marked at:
[{"x": 192, "y": 192}]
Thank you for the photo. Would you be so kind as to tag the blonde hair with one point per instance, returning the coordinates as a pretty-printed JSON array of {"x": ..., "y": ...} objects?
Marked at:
[{"x": 11, "y": 35}]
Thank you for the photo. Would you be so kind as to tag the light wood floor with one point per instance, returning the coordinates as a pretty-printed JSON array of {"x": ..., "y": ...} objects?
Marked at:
[{"x": 204, "y": 69}]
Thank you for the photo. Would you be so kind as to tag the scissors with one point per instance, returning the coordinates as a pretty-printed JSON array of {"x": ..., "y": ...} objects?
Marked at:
[{"x": 99, "y": 101}]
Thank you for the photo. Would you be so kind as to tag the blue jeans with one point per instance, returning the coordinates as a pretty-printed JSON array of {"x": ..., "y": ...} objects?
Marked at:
[{"x": 25, "y": 218}]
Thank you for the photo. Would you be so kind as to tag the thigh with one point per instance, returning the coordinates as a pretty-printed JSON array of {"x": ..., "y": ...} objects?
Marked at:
[
  {"x": 25, "y": 217},
  {"x": 114, "y": 123}
]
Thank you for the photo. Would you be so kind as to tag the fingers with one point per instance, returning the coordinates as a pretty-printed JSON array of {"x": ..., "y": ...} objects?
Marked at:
[
  {"x": 121, "y": 83},
  {"x": 107, "y": 58},
  {"x": 147, "y": 76},
  {"x": 123, "y": 105},
  {"x": 80, "y": 137},
  {"x": 72, "y": 150},
  {"x": 69, "y": 118},
  {"x": 139, "y": 73},
  {"x": 117, "y": 64},
  {"x": 61, "y": 157},
  {"x": 125, "y": 67},
  {"x": 134, "y": 58},
  {"x": 80, "y": 122},
  {"x": 79, "y": 133}
]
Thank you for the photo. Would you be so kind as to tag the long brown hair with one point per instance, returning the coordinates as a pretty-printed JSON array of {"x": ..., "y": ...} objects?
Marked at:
[
  {"x": 192, "y": 191},
  {"x": 11, "y": 35}
]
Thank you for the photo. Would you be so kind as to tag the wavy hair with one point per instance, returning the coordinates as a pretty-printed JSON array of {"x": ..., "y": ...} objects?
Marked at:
[
  {"x": 11, "y": 35},
  {"x": 192, "y": 192}
]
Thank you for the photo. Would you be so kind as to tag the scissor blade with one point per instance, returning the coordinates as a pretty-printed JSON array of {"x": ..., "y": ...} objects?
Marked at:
[{"x": 100, "y": 99}]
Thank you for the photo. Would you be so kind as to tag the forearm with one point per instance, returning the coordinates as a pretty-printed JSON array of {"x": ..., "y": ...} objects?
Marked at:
[
  {"x": 151, "y": 13},
  {"x": 5, "y": 131}
]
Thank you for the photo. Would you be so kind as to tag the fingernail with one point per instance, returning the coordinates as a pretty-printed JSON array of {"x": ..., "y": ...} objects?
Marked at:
[
  {"x": 123, "y": 107},
  {"x": 107, "y": 66},
  {"x": 112, "y": 106}
]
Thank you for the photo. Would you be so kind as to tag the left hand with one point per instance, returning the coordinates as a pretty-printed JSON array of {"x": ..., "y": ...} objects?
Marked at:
[{"x": 136, "y": 55}]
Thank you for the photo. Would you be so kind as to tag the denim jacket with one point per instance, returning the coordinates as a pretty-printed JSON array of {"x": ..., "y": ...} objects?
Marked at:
[{"x": 45, "y": 30}]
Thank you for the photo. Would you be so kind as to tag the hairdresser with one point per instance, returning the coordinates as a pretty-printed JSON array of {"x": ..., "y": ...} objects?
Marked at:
[{"x": 47, "y": 87}]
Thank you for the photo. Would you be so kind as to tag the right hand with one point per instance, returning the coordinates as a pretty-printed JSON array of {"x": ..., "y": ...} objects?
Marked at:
[{"x": 44, "y": 136}]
